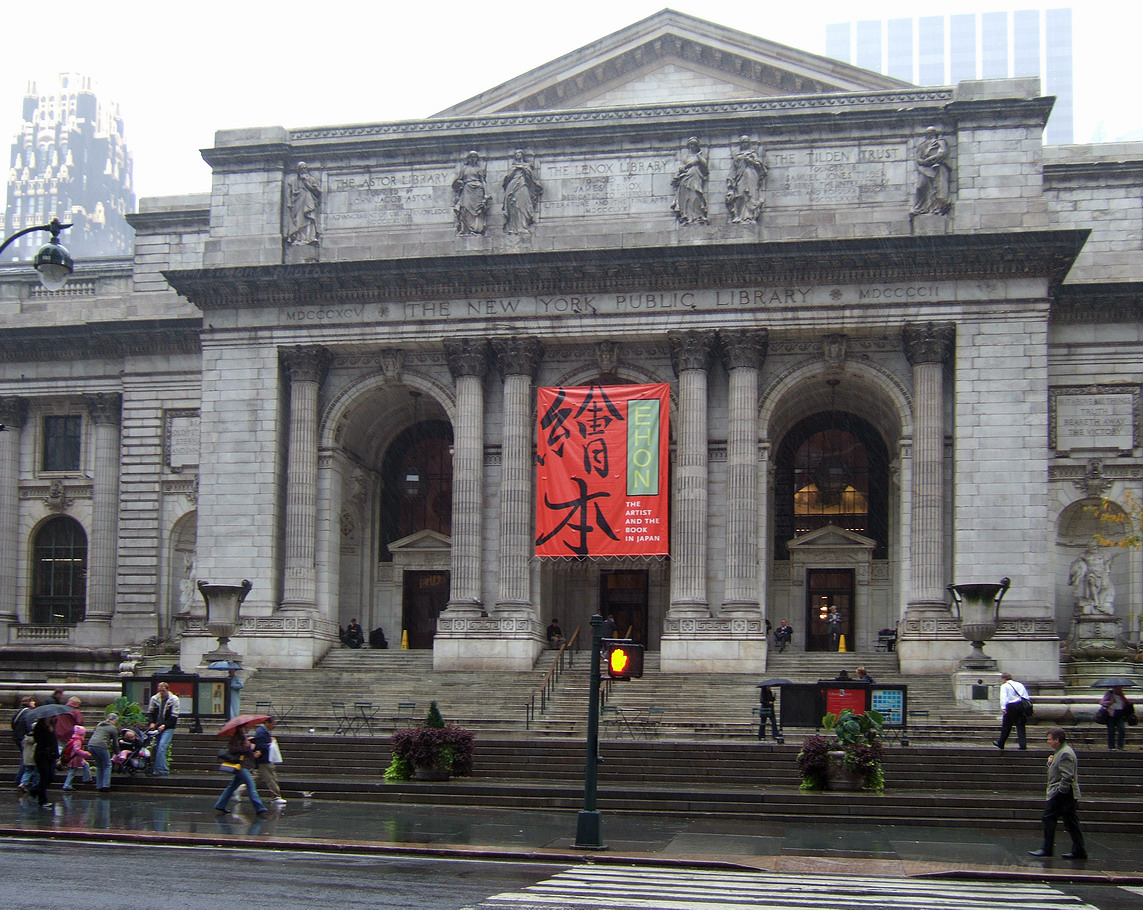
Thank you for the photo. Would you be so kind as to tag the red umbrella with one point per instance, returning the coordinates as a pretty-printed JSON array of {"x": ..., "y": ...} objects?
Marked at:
[{"x": 242, "y": 720}]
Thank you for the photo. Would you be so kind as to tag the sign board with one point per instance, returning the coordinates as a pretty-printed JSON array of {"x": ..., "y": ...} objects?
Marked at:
[{"x": 601, "y": 477}]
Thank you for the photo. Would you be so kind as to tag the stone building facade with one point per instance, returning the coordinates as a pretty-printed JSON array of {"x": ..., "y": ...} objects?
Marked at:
[{"x": 902, "y": 338}]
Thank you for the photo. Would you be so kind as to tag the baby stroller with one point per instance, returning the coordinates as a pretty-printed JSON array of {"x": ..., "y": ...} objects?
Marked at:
[{"x": 136, "y": 752}]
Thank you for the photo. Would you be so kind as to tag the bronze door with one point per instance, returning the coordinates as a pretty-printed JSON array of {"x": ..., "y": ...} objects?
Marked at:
[
  {"x": 828, "y": 590},
  {"x": 425, "y": 596},
  {"x": 624, "y": 595}
]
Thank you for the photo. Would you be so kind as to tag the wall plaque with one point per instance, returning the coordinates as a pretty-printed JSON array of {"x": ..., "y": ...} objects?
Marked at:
[
  {"x": 181, "y": 439},
  {"x": 1094, "y": 417}
]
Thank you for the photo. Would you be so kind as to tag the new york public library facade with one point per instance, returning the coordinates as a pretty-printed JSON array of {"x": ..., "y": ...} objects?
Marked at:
[{"x": 901, "y": 338}]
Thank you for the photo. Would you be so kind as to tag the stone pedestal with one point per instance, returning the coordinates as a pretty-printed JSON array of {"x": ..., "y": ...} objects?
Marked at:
[
  {"x": 501, "y": 642},
  {"x": 1097, "y": 636},
  {"x": 713, "y": 645},
  {"x": 966, "y": 685}
]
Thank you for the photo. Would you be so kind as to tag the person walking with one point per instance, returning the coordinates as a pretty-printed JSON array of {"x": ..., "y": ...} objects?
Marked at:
[
  {"x": 1118, "y": 707},
  {"x": 163, "y": 711},
  {"x": 833, "y": 626},
  {"x": 767, "y": 712},
  {"x": 266, "y": 769},
  {"x": 1012, "y": 698},
  {"x": 75, "y": 758},
  {"x": 237, "y": 765},
  {"x": 1063, "y": 793},
  {"x": 20, "y": 729},
  {"x": 103, "y": 743},
  {"x": 47, "y": 753}
]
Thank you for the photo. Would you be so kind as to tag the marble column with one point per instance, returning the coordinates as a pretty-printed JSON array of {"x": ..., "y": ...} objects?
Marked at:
[
  {"x": 306, "y": 368},
  {"x": 468, "y": 362},
  {"x": 928, "y": 347},
  {"x": 743, "y": 354},
  {"x": 691, "y": 356},
  {"x": 105, "y": 410},
  {"x": 517, "y": 360},
  {"x": 13, "y": 412}
]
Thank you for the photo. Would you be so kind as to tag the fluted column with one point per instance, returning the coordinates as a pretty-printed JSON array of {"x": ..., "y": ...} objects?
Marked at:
[
  {"x": 13, "y": 412},
  {"x": 468, "y": 361},
  {"x": 306, "y": 367},
  {"x": 743, "y": 354},
  {"x": 927, "y": 348},
  {"x": 105, "y": 410},
  {"x": 517, "y": 359},
  {"x": 691, "y": 354}
]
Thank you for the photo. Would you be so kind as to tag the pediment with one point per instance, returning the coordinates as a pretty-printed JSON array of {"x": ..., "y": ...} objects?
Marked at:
[
  {"x": 831, "y": 537},
  {"x": 421, "y": 541},
  {"x": 669, "y": 58}
]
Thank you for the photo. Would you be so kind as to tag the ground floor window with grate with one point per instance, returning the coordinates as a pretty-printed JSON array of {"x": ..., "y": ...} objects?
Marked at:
[{"x": 59, "y": 565}]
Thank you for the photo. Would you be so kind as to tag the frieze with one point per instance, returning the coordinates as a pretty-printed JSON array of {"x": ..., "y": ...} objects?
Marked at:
[
  {"x": 1014, "y": 627},
  {"x": 273, "y": 626},
  {"x": 624, "y": 116},
  {"x": 713, "y": 625},
  {"x": 1094, "y": 477},
  {"x": 45, "y": 491}
]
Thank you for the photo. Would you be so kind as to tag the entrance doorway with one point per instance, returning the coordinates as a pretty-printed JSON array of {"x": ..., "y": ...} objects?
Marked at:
[
  {"x": 425, "y": 596},
  {"x": 624, "y": 596},
  {"x": 828, "y": 590}
]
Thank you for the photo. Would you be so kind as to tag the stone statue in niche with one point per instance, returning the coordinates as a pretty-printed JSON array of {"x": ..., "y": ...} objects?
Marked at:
[
  {"x": 470, "y": 200},
  {"x": 690, "y": 186},
  {"x": 301, "y": 198},
  {"x": 745, "y": 186},
  {"x": 522, "y": 192},
  {"x": 188, "y": 594},
  {"x": 1090, "y": 574},
  {"x": 931, "y": 196}
]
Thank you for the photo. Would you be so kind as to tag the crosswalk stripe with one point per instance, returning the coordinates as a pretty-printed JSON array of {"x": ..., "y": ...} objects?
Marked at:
[{"x": 617, "y": 887}]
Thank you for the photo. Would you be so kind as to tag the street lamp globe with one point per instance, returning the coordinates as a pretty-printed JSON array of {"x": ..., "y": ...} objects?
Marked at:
[{"x": 53, "y": 263}]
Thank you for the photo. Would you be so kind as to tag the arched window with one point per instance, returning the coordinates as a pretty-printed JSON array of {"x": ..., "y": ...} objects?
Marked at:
[
  {"x": 416, "y": 492},
  {"x": 832, "y": 469},
  {"x": 59, "y": 573}
]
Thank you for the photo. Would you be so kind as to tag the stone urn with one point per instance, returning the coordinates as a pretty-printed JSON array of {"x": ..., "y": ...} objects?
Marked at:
[
  {"x": 838, "y": 775},
  {"x": 978, "y": 609},
  {"x": 222, "y": 606}
]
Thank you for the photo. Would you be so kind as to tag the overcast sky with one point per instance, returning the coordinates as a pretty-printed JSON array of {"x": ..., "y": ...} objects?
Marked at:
[{"x": 181, "y": 71}]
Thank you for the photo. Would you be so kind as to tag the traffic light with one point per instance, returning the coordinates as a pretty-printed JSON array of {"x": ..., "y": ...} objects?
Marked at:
[{"x": 624, "y": 658}]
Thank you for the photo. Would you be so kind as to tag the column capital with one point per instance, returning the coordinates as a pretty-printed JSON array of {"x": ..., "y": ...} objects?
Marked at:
[
  {"x": 104, "y": 407},
  {"x": 518, "y": 356},
  {"x": 13, "y": 411},
  {"x": 467, "y": 357},
  {"x": 743, "y": 349},
  {"x": 691, "y": 350},
  {"x": 306, "y": 364},
  {"x": 929, "y": 342}
]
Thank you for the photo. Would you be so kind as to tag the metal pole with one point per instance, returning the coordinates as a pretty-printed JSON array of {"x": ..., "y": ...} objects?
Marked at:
[{"x": 588, "y": 835}]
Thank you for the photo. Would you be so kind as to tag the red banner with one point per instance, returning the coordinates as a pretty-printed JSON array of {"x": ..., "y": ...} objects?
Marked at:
[{"x": 602, "y": 476}]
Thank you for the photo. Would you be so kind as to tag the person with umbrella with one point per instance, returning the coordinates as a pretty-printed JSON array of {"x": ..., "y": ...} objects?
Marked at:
[
  {"x": 47, "y": 753},
  {"x": 237, "y": 759},
  {"x": 1119, "y": 708}
]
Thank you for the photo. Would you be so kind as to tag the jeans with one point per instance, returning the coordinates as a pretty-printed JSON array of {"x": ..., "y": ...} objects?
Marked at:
[
  {"x": 102, "y": 767},
  {"x": 85, "y": 768},
  {"x": 161, "y": 751},
  {"x": 241, "y": 776},
  {"x": 47, "y": 772},
  {"x": 763, "y": 715},
  {"x": 1117, "y": 722}
]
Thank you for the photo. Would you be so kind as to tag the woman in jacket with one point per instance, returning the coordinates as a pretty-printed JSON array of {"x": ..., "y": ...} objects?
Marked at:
[
  {"x": 241, "y": 759},
  {"x": 47, "y": 753},
  {"x": 1118, "y": 707},
  {"x": 104, "y": 741}
]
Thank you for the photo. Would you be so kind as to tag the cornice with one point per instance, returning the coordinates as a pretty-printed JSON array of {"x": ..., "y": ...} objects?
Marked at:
[
  {"x": 101, "y": 340},
  {"x": 1087, "y": 304},
  {"x": 717, "y": 265}
]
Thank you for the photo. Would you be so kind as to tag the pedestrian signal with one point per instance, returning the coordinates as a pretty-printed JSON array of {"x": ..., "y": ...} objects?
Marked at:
[{"x": 624, "y": 658}]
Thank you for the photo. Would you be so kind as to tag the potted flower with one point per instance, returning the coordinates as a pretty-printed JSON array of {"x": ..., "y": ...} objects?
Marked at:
[
  {"x": 850, "y": 759},
  {"x": 433, "y": 750}
]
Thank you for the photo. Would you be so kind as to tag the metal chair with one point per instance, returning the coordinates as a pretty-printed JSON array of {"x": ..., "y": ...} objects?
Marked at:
[
  {"x": 366, "y": 714},
  {"x": 405, "y": 716},
  {"x": 344, "y": 721},
  {"x": 653, "y": 719},
  {"x": 279, "y": 714}
]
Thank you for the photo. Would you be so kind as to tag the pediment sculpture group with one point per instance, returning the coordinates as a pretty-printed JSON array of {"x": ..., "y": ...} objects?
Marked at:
[{"x": 745, "y": 190}]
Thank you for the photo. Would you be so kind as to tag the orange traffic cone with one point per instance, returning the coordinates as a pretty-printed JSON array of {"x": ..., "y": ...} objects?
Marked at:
[
  {"x": 404, "y": 639},
  {"x": 841, "y": 644}
]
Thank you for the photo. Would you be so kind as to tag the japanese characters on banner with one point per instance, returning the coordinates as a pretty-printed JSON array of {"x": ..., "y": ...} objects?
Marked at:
[{"x": 602, "y": 475}]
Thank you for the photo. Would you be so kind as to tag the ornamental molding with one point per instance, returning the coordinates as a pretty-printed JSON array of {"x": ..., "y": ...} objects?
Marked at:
[{"x": 101, "y": 341}]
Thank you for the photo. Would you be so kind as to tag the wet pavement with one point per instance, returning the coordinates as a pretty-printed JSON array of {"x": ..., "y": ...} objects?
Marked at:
[{"x": 806, "y": 847}]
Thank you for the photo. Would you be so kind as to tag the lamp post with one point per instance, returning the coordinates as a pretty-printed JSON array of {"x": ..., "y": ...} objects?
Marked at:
[{"x": 53, "y": 262}]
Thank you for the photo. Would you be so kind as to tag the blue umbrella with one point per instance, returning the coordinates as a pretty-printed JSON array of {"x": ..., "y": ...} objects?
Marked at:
[{"x": 224, "y": 665}]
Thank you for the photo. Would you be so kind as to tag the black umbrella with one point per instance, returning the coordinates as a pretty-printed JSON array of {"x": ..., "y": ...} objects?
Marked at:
[
  {"x": 35, "y": 714},
  {"x": 1113, "y": 682},
  {"x": 777, "y": 681}
]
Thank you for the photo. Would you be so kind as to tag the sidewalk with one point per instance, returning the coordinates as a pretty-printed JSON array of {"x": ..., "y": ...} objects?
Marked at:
[{"x": 797, "y": 847}]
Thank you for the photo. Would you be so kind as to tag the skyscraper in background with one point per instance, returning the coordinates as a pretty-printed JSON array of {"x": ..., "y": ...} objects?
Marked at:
[
  {"x": 944, "y": 50},
  {"x": 69, "y": 160}
]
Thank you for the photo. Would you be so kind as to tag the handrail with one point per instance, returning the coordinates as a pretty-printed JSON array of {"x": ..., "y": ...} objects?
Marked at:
[{"x": 547, "y": 689}]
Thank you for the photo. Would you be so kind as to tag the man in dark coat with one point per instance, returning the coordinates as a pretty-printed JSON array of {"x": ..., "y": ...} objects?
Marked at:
[{"x": 1063, "y": 793}]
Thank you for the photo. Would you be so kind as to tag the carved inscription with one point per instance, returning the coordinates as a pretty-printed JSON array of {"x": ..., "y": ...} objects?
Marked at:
[
  {"x": 837, "y": 175},
  {"x": 1102, "y": 421},
  {"x": 182, "y": 439},
  {"x": 611, "y": 186},
  {"x": 388, "y": 198}
]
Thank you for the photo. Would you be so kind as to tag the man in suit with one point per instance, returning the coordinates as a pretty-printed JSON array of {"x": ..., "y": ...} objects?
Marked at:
[{"x": 1063, "y": 792}]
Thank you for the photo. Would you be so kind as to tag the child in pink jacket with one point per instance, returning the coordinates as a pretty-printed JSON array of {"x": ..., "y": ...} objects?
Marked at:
[{"x": 75, "y": 758}]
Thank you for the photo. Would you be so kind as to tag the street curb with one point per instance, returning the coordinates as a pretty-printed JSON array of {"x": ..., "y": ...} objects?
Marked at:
[{"x": 538, "y": 855}]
